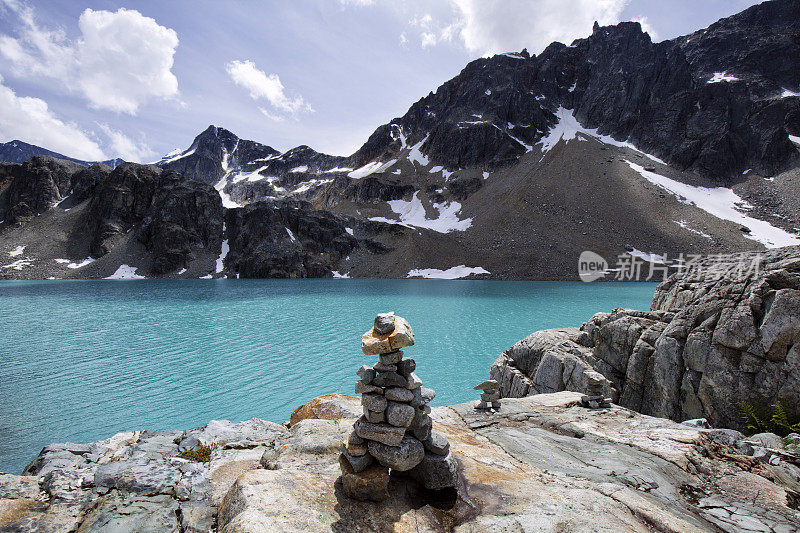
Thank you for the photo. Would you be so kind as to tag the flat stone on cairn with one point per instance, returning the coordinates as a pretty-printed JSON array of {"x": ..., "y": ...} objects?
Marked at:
[
  {"x": 396, "y": 429},
  {"x": 595, "y": 397},
  {"x": 490, "y": 395}
]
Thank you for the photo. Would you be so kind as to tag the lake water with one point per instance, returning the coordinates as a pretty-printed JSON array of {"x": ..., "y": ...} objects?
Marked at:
[{"x": 82, "y": 360}]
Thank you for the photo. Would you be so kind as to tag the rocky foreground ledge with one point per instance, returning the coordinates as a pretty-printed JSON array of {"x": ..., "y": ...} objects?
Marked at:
[{"x": 542, "y": 463}]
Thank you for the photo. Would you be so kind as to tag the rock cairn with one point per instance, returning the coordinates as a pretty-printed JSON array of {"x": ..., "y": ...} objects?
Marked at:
[
  {"x": 490, "y": 395},
  {"x": 395, "y": 431},
  {"x": 595, "y": 395}
]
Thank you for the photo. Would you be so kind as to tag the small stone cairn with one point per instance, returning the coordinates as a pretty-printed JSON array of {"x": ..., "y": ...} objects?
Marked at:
[
  {"x": 395, "y": 431},
  {"x": 490, "y": 395},
  {"x": 595, "y": 397}
]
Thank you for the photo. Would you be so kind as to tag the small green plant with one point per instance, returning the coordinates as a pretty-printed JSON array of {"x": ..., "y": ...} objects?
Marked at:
[
  {"x": 200, "y": 455},
  {"x": 762, "y": 418}
]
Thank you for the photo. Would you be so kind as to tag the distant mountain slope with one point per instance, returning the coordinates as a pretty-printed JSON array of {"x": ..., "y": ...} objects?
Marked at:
[
  {"x": 19, "y": 152},
  {"x": 509, "y": 170}
]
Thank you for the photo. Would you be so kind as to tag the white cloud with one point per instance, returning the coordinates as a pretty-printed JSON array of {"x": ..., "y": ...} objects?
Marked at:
[
  {"x": 356, "y": 2},
  {"x": 271, "y": 116},
  {"x": 647, "y": 28},
  {"x": 124, "y": 147},
  {"x": 120, "y": 61},
  {"x": 488, "y": 27},
  {"x": 260, "y": 85},
  {"x": 403, "y": 40},
  {"x": 125, "y": 59},
  {"x": 30, "y": 120}
]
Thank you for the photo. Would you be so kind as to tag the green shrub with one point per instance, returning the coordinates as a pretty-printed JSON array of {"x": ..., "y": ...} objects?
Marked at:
[
  {"x": 762, "y": 418},
  {"x": 200, "y": 455}
]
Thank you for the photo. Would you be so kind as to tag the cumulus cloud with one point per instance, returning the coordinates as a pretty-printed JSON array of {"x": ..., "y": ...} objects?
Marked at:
[
  {"x": 264, "y": 86},
  {"x": 124, "y": 147},
  {"x": 31, "y": 120},
  {"x": 356, "y": 2},
  {"x": 121, "y": 60},
  {"x": 488, "y": 27}
]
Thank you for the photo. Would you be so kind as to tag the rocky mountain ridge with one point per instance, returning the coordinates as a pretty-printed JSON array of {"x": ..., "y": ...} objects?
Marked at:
[
  {"x": 515, "y": 166},
  {"x": 17, "y": 151}
]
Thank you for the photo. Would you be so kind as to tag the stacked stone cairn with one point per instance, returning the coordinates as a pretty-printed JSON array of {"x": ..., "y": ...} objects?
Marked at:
[
  {"x": 490, "y": 395},
  {"x": 595, "y": 397},
  {"x": 395, "y": 431}
]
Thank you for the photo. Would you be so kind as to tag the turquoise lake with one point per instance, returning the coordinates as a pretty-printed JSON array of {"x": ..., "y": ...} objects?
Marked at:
[{"x": 83, "y": 360}]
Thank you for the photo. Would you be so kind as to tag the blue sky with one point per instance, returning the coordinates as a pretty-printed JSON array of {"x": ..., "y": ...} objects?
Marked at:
[{"x": 106, "y": 78}]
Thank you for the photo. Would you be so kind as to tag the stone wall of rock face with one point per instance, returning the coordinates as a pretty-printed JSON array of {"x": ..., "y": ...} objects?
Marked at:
[{"x": 707, "y": 343}]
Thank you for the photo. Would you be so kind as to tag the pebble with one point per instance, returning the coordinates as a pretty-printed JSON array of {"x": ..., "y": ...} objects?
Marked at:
[
  {"x": 366, "y": 373},
  {"x": 422, "y": 431},
  {"x": 488, "y": 386},
  {"x": 375, "y": 417},
  {"x": 389, "y": 379},
  {"x": 371, "y": 483},
  {"x": 413, "y": 381},
  {"x": 400, "y": 414},
  {"x": 399, "y": 394},
  {"x": 374, "y": 402},
  {"x": 384, "y": 323},
  {"x": 436, "y": 472},
  {"x": 380, "y": 367},
  {"x": 391, "y": 358},
  {"x": 401, "y": 458},
  {"x": 384, "y": 433},
  {"x": 363, "y": 388},
  {"x": 373, "y": 343},
  {"x": 421, "y": 396},
  {"x": 406, "y": 366},
  {"x": 437, "y": 443},
  {"x": 359, "y": 463},
  {"x": 490, "y": 396}
]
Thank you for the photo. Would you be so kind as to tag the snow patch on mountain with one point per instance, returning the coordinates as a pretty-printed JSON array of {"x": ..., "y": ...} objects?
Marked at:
[
  {"x": 456, "y": 272},
  {"x": 568, "y": 128},
  {"x": 16, "y": 251},
  {"x": 223, "y": 252},
  {"x": 416, "y": 155},
  {"x": 174, "y": 156},
  {"x": 306, "y": 185},
  {"x": 412, "y": 213},
  {"x": 723, "y": 203},
  {"x": 249, "y": 176},
  {"x": 125, "y": 272},
  {"x": 722, "y": 76},
  {"x": 371, "y": 168},
  {"x": 685, "y": 225},
  {"x": 83, "y": 263},
  {"x": 788, "y": 94}
]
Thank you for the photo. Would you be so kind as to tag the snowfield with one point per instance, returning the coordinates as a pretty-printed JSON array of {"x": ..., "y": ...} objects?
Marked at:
[
  {"x": 723, "y": 203},
  {"x": 456, "y": 272},
  {"x": 722, "y": 76},
  {"x": 412, "y": 213},
  {"x": 371, "y": 168},
  {"x": 568, "y": 128},
  {"x": 125, "y": 272}
]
